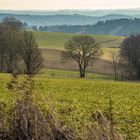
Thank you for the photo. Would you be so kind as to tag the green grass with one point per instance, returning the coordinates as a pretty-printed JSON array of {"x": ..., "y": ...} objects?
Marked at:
[
  {"x": 57, "y": 40},
  {"x": 52, "y": 73},
  {"x": 75, "y": 99}
]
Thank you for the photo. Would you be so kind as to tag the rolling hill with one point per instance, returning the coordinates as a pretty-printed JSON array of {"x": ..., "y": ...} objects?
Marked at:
[
  {"x": 62, "y": 19},
  {"x": 57, "y": 40},
  {"x": 119, "y": 27},
  {"x": 95, "y": 105},
  {"x": 52, "y": 45}
]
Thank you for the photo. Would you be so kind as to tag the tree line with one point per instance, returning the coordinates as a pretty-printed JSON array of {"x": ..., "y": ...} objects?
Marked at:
[
  {"x": 127, "y": 61},
  {"x": 114, "y": 27},
  {"x": 19, "y": 52}
]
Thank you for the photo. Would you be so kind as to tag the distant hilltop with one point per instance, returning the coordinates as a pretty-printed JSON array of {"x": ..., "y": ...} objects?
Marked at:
[
  {"x": 114, "y": 22},
  {"x": 101, "y": 12},
  {"x": 69, "y": 17}
]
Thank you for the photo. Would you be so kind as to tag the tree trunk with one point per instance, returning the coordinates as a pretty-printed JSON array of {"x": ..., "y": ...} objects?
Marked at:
[
  {"x": 82, "y": 72},
  {"x": 115, "y": 70},
  {"x": 10, "y": 67},
  {"x": 138, "y": 73},
  {"x": 1, "y": 62}
]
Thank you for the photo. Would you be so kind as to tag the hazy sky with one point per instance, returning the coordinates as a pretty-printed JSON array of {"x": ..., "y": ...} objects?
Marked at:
[{"x": 67, "y": 4}]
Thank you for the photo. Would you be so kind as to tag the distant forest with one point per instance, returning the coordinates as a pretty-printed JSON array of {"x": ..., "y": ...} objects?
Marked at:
[
  {"x": 63, "y": 19},
  {"x": 120, "y": 27}
]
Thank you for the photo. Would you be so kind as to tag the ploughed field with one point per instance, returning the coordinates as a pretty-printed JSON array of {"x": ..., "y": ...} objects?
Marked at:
[{"x": 75, "y": 100}]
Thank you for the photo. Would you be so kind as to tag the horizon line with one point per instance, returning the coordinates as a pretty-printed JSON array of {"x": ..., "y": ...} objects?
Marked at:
[{"x": 70, "y": 9}]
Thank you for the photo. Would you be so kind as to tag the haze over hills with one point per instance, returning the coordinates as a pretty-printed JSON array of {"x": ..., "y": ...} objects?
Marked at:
[
  {"x": 62, "y": 19},
  {"x": 119, "y": 27},
  {"x": 69, "y": 17},
  {"x": 114, "y": 22},
  {"x": 89, "y": 12}
]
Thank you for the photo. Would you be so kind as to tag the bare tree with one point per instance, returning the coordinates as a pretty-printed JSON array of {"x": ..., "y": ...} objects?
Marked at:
[
  {"x": 11, "y": 30},
  {"x": 30, "y": 53},
  {"x": 130, "y": 52},
  {"x": 115, "y": 60},
  {"x": 82, "y": 49},
  {"x": 2, "y": 48}
]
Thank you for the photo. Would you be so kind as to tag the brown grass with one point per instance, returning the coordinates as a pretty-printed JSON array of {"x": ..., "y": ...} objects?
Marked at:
[{"x": 52, "y": 59}]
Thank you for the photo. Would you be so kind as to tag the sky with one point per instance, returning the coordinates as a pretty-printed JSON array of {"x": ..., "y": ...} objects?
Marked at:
[{"x": 67, "y": 4}]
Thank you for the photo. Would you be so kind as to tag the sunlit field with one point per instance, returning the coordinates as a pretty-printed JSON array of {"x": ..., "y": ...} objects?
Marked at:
[
  {"x": 75, "y": 99},
  {"x": 57, "y": 40}
]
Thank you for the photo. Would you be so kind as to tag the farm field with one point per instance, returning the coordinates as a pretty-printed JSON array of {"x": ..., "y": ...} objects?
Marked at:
[
  {"x": 75, "y": 100},
  {"x": 52, "y": 45},
  {"x": 56, "y": 40},
  {"x": 53, "y": 60}
]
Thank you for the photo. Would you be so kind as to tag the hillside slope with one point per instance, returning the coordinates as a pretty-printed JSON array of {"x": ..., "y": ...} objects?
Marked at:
[
  {"x": 39, "y": 19},
  {"x": 119, "y": 27},
  {"x": 52, "y": 45},
  {"x": 57, "y": 40}
]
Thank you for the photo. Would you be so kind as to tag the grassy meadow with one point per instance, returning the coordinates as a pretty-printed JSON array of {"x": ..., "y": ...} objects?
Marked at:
[
  {"x": 57, "y": 40},
  {"x": 52, "y": 73},
  {"x": 75, "y": 100}
]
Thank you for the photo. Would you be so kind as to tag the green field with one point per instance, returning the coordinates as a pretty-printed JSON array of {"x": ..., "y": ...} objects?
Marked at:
[
  {"x": 57, "y": 40},
  {"x": 75, "y": 100},
  {"x": 52, "y": 73}
]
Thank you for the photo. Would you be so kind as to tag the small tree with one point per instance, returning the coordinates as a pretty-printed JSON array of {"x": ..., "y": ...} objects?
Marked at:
[
  {"x": 82, "y": 49},
  {"x": 115, "y": 60},
  {"x": 30, "y": 53}
]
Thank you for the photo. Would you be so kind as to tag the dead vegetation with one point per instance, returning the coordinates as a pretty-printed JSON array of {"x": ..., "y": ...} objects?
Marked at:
[
  {"x": 28, "y": 121},
  {"x": 103, "y": 127}
]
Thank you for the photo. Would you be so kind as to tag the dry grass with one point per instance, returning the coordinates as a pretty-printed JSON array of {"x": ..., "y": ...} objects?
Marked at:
[{"x": 52, "y": 59}]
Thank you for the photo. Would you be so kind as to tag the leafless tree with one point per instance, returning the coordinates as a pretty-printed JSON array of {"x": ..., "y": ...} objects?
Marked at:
[
  {"x": 11, "y": 30},
  {"x": 30, "y": 53},
  {"x": 2, "y": 48},
  {"x": 115, "y": 60},
  {"x": 130, "y": 52},
  {"x": 82, "y": 49}
]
